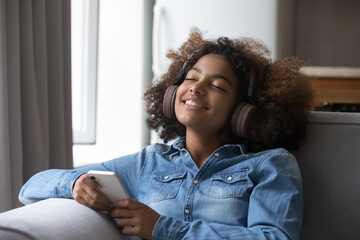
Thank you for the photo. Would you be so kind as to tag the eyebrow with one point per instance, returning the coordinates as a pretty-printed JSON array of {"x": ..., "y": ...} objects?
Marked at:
[{"x": 198, "y": 70}]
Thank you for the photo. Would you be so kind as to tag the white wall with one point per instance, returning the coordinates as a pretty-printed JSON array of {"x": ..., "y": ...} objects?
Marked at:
[{"x": 271, "y": 21}]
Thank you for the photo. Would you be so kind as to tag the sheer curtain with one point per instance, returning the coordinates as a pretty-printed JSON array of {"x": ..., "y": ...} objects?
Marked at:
[{"x": 35, "y": 92}]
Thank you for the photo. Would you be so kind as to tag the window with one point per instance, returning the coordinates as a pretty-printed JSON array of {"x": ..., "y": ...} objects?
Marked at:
[
  {"x": 109, "y": 77},
  {"x": 84, "y": 36}
]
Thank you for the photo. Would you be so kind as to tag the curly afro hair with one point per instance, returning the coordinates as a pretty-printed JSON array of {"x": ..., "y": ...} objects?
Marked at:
[{"x": 281, "y": 93}]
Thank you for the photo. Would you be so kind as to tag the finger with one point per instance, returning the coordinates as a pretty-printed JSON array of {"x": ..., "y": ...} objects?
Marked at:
[
  {"x": 98, "y": 196},
  {"x": 82, "y": 201},
  {"x": 92, "y": 188},
  {"x": 89, "y": 184},
  {"x": 86, "y": 189},
  {"x": 131, "y": 231},
  {"x": 128, "y": 203},
  {"x": 96, "y": 200},
  {"x": 87, "y": 181},
  {"x": 91, "y": 202},
  {"x": 122, "y": 212},
  {"x": 83, "y": 183},
  {"x": 88, "y": 204},
  {"x": 125, "y": 222}
]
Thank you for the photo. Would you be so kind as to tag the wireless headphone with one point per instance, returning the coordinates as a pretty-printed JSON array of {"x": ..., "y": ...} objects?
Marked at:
[{"x": 241, "y": 117}]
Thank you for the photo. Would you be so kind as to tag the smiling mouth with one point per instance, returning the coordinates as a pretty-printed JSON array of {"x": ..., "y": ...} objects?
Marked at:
[{"x": 194, "y": 104}]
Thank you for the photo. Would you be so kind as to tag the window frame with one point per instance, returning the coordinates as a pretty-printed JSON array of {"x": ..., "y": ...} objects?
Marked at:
[{"x": 84, "y": 132}]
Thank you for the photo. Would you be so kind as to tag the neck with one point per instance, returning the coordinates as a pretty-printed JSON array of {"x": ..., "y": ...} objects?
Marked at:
[{"x": 201, "y": 146}]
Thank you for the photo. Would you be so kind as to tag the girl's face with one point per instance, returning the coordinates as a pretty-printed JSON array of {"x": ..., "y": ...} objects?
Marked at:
[{"x": 207, "y": 97}]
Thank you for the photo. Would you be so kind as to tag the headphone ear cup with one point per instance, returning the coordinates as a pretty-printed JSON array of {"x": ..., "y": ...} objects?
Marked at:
[
  {"x": 242, "y": 118},
  {"x": 169, "y": 102}
]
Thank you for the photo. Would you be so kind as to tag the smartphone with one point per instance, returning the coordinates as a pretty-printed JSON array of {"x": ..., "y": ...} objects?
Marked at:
[{"x": 110, "y": 184}]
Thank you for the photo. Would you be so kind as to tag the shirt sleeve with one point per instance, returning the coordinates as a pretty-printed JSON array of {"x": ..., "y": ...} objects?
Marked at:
[
  {"x": 53, "y": 183},
  {"x": 58, "y": 183},
  {"x": 275, "y": 208}
]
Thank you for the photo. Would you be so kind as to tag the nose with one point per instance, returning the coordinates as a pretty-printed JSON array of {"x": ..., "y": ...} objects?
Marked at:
[{"x": 198, "y": 88}]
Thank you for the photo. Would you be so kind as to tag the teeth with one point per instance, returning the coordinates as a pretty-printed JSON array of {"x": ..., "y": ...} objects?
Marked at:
[{"x": 192, "y": 103}]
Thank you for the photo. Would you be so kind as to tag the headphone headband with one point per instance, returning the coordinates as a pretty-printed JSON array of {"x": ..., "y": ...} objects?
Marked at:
[
  {"x": 181, "y": 75},
  {"x": 250, "y": 91}
]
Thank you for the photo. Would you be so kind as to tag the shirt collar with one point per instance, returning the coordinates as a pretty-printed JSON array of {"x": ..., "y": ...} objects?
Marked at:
[{"x": 179, "y": 144}]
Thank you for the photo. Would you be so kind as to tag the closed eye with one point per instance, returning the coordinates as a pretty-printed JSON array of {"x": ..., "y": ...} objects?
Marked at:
[{"x": 217, "y": 87}]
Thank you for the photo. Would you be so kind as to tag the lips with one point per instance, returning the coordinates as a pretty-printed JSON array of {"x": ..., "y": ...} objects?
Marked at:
[{"x": 194, "y": 103}]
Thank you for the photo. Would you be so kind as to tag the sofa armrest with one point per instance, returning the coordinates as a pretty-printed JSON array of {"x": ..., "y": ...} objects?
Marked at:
[{"x": 57, "y": 219}]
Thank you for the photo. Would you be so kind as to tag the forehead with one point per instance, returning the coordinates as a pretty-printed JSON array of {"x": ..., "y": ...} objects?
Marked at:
[{"x": 214, "y": 63}]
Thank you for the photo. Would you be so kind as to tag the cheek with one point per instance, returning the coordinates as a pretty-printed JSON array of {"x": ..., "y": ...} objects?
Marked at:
[
  {"x": 227, "y": 110},
  {"x": 226, "y": 113}
]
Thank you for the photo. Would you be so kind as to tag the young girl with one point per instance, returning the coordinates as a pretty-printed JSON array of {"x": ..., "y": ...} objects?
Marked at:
[{"x": 234, "y": 115}]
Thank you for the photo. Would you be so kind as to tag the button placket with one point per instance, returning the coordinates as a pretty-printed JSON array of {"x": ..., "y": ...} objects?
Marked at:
[{"x": 190, "y": 195}]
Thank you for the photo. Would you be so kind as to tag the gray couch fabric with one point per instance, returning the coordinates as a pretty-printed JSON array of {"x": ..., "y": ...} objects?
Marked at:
[
  {"x": 329, "y": 160},
  {"x": 57, "y": 219}
]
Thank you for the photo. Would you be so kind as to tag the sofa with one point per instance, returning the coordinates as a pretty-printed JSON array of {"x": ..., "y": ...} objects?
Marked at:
[{"x": 329, "y": 159}]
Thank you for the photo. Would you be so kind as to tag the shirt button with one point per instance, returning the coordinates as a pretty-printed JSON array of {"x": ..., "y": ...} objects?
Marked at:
[
  {"x": 187, "y": 211},
  {"x": 186, "y": 154},
  {"x": 217, "y": 154},
  {"x": 166, "y": 177},
  {"x": 229, "y": 178},
  {"x": 195, "y": 181}
]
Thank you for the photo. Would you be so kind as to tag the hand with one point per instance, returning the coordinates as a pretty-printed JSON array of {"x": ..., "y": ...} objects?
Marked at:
[
  {"x": 86, "y": 191},
  {"x": 137, "y": 217}
]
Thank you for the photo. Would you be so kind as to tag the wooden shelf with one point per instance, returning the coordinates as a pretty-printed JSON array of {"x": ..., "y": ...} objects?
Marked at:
[{"x": 334, "y": 84}]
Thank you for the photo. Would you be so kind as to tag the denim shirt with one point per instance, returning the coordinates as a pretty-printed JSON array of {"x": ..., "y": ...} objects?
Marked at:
[{"x": 233, "y": 195}]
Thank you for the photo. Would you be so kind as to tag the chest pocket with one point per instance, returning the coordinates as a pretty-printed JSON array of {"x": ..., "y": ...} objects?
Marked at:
[
  {"x": 228, "y": 184},
  {"x": 165, "y": 185}
]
